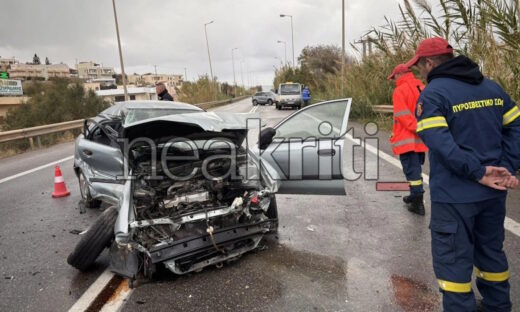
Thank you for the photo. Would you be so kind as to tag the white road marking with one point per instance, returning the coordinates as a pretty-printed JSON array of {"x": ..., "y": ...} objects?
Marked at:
[
  {"x": 92, "y": 292},
  {"x": 21, "y": 174},
  {"x": 509, "y": 224},
  {"x": 118, "y": 299}
]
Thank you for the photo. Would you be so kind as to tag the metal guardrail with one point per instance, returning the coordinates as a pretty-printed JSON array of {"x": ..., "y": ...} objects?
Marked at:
[
  {"x": 383, "y": 109},
  {"x": 36, "y": 132}
]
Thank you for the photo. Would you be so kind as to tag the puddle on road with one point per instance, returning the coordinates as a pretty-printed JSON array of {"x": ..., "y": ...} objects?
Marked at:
[
  {"x": 414, "y": 296},
  {"x": 275, "y": 279}
]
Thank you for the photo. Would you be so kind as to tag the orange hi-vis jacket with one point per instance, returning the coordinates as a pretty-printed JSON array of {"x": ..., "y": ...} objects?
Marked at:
[{"x": 404, "y": 138}]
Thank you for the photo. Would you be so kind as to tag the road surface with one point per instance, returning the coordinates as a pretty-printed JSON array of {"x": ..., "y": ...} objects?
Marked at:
[{"x": 360, "y": 252}]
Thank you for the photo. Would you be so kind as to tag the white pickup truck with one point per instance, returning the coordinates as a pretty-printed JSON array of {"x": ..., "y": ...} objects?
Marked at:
[{"x": 289, "y": 94}]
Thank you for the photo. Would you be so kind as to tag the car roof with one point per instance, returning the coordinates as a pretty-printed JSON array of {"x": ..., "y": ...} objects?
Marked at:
[{"x": 119, "y": 107}]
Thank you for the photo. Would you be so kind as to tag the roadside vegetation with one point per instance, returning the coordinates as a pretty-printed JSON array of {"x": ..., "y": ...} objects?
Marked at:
[
  {"x": 488, "y": 31},
  {"x": 50, "y": 102},
  {"x": 204, "y": 90}
]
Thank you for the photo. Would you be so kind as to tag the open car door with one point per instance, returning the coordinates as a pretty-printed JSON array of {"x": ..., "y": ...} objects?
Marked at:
[{"x": 307, "y": 149}]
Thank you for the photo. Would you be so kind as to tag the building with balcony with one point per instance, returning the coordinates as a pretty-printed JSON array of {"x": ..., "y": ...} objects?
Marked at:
[
  {"x": 91, "y": 71},
  {"x": 38, "y": 71},
  {"x": 172, "y": 81},
  {"x": 5, "y": 63}
]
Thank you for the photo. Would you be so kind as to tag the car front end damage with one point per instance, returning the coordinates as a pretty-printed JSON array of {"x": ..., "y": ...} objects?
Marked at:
[{"x": 189, "y": 213}]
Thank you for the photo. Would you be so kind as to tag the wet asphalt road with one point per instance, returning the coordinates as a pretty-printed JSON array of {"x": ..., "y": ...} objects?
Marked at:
[{"x": 361, "y": 252}]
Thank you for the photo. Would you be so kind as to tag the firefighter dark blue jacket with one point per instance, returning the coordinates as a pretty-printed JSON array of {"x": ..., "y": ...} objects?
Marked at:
[{"x": 467, "y": 122}]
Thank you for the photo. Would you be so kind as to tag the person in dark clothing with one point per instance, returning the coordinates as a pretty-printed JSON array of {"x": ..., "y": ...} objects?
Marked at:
[
  {"x": 162, "y": 92},
  {"x": 472, "y": 130}
]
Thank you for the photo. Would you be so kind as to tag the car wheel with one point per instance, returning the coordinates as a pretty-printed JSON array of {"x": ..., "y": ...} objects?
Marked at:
[
  {"x": 255, "y": 103},
  {"x": 270, "y": 102},
  {"x": 277, "y": 107},
  {"x": 94, "y": 241},
  {"x": 85, "y": 192}
]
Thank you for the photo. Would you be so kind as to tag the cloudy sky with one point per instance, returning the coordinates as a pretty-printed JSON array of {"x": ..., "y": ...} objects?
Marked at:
[{"x": 170, "y": 33}]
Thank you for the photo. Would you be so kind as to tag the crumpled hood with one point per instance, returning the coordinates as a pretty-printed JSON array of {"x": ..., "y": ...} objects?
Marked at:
[
  {"x": 460, "y": 68},
  {"x": 201, "y": 125}
]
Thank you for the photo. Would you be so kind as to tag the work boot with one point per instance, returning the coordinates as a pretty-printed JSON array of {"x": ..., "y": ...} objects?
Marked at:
[
  {"x": 407, "y": 199},
  {"x": 416, "y": 205}
]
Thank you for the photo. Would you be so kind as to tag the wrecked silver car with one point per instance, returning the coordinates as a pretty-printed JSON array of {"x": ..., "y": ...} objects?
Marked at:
[{"x": 188, "y": 189}]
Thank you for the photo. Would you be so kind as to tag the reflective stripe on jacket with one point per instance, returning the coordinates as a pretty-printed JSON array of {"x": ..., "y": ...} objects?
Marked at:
[{"x": 404, "y": 139}]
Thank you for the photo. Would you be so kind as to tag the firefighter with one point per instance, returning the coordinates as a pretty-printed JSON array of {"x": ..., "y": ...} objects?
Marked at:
[
  {"x": 405, "y": 142},
  {"x": 472, "y": 130}
]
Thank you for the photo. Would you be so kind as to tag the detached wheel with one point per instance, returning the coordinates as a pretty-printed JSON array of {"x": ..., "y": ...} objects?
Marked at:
[
  {"x": 255, "y": 103},
  {"x": 94, "y": 241},
  {"x": 85, "y": 192}
]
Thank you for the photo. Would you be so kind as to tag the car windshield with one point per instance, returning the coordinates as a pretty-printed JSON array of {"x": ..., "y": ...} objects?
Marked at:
[
  {"x": 136, "y": 115},
  {"x": 290, "y": 89}
]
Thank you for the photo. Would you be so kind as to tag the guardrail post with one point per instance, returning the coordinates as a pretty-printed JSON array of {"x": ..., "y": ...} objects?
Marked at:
[
  {"x": 38, "y": 142},
  {"x": 31, "y": 143}
]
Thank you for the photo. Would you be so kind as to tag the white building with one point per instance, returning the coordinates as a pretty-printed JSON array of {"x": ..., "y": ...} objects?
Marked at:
[
  {"x": 91, "y": 70},
  {"x": 118, "y": 95}
]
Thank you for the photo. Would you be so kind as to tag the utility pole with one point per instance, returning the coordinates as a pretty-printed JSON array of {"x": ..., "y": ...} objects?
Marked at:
[
  {"x": 292, "y": 36},
  {"x": 185, "y": 74},
  {"x": 155, "y": 66},
  {"x": 284, "y": 48},
  {"x": 120, "y": 52},
  {"x": 207, "y": 45},
  {"x": 209, "y": 56},
  {"x": 342, "y": 44}
]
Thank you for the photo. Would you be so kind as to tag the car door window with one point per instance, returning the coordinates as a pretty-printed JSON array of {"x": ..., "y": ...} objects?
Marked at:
[{"x": 320, "y": 121}]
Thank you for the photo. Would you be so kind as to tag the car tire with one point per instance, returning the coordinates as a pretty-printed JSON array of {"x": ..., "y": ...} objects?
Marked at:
[
  {"x": 85, "y": 192},
  {"x": 94, "y": 241},
  {"x": 278, "y": 107},
  {"x": 270, "y": 102},
  {"x": 255, "y": 103}
]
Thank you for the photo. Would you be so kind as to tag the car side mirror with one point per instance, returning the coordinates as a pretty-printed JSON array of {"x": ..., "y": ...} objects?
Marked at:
[{"x": 266, "y": 137}]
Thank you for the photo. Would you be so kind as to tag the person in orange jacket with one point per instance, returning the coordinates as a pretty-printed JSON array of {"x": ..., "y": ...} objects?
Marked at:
[{"x": 405, "y": 142}]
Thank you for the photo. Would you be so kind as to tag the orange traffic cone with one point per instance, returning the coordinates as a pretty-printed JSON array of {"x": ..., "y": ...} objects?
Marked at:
[{"x": 60, "y": 189}]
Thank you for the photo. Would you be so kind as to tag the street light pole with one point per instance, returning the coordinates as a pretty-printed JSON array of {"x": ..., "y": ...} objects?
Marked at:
[
  {"x": 342, "y": 43},
  {"x": 292, "y": 36},
  {"x": 233, "y": 61},
  {"x": 242, "y": 73},
  {"x": 120, "y": 52},
  {"x": 209, "y": 55},
  {"x": 234, "y": 77},
  {"x": 285, "y": 49}
]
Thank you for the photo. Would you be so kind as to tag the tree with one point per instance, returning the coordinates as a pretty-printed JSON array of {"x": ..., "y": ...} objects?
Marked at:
[
  {"x": 321, "y": 60},
  {"x": 36, "y": 59},
  {"x": 47, "y": 62},
  {"x": 54, "y": 102}
]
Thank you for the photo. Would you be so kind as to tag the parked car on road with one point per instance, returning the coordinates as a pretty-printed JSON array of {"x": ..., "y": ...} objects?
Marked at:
[
  {"x": 263, "y": 98},
  {"x": 185, "y": 192}
]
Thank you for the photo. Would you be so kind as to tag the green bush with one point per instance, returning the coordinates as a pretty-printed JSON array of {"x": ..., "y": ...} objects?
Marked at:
[{"x": 54, "y": 102}]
